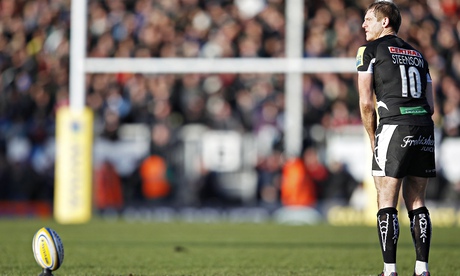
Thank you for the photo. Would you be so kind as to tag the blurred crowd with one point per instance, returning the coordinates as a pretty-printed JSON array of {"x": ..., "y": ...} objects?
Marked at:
[{"x": 34, "y": 66}]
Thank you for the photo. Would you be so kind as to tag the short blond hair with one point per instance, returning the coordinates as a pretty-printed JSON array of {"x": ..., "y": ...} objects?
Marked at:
[{"x": 387, "y": 9}]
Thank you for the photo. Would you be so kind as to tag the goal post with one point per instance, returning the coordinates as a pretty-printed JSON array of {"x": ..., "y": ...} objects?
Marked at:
[
  {"x": 74, "y": 134},
  {"x": 293, "y": 65}
]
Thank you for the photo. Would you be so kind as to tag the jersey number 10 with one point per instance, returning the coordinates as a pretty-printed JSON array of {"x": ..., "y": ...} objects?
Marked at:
[{"x": 415, "y": 82}]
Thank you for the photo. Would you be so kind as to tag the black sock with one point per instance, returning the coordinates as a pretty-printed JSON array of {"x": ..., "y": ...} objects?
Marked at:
[
  {"x": 420, "y": 228},
  {"x": 388, "y": 229}
]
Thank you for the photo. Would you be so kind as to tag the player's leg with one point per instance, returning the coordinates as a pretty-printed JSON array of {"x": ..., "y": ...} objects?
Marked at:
[
  {"x": 385, "y": 169},
  {"x": 414, "y": 189},
  {"x": 387, "y": 220},
  {"x": 387, "y": 191}
]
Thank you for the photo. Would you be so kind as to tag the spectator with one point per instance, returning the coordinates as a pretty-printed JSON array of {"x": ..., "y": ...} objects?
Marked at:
[{"x": 298, "y": 186}]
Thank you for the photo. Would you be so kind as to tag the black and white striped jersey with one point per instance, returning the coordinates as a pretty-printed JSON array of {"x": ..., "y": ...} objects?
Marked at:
[{"x": 400, "y": 75}]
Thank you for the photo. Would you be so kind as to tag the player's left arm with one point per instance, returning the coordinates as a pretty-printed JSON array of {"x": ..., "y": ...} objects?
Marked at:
[{"x": 429, "y": 92}]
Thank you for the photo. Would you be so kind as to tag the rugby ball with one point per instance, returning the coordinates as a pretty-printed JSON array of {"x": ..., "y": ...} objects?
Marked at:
[{"x": 48, "y": 249}]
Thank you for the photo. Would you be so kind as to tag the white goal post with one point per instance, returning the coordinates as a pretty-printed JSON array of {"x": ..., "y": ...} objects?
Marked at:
[
  {"x": 293, "y": 66},
  {"x": 221, "y": 65}
]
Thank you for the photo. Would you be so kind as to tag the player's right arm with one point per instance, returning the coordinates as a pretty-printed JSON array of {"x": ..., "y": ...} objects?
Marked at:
[
  {"x": 365, "y": 67},
  {"x": 367, "y": 105}
]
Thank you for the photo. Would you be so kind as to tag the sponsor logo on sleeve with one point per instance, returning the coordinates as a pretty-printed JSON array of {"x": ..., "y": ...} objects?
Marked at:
[{"x": 359, "y": 56}]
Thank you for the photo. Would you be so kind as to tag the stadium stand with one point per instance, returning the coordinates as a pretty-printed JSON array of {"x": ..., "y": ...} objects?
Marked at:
[{"x": 164, "y": 113}]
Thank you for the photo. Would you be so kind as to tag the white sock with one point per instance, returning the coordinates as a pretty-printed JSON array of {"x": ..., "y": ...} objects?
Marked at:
[
  {"x": 420, "y": 267},
  {"x": 389, "y": 268}
]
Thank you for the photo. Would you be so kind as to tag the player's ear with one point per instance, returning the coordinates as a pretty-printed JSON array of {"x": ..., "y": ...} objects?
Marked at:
[{"x": 385, "y": 22}]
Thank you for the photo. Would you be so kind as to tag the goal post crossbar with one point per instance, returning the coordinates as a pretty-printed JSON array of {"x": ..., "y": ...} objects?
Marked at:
[
  {"x": 293, "y": 65},
  {"x": 219, "y": 65},
  {"x": 75, "y": 134}
]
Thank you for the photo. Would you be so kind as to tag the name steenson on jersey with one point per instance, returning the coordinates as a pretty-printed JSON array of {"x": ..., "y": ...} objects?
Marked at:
[{"x": 406, "y": 57}]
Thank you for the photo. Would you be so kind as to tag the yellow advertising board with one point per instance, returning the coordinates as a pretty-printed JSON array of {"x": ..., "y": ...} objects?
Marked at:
[{"x": 73, "y": 172}]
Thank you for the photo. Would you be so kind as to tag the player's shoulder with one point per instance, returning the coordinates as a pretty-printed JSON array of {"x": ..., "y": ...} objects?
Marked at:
[
  {"x": 370, "y": 47},
  {"x": 390, "y": 44},
  {"x": 366, "y": 52}
]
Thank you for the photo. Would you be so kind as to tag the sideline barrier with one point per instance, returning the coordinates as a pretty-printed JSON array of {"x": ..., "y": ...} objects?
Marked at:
[
  {"x": 41, "y": 209},
  {"x": 347, "y": 216},
  {"x": 336, "y": 215}
]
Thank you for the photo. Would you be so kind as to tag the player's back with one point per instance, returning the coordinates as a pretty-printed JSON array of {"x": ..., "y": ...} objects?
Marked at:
[{"x": 400, "y": 79}]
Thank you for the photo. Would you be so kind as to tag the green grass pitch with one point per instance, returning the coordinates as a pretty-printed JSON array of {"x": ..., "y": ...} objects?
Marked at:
[{"x": 219, "y": 248}]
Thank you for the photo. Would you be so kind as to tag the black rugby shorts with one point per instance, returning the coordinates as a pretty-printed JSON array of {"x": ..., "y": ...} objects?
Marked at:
[{"x": 402, "y": 150}]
